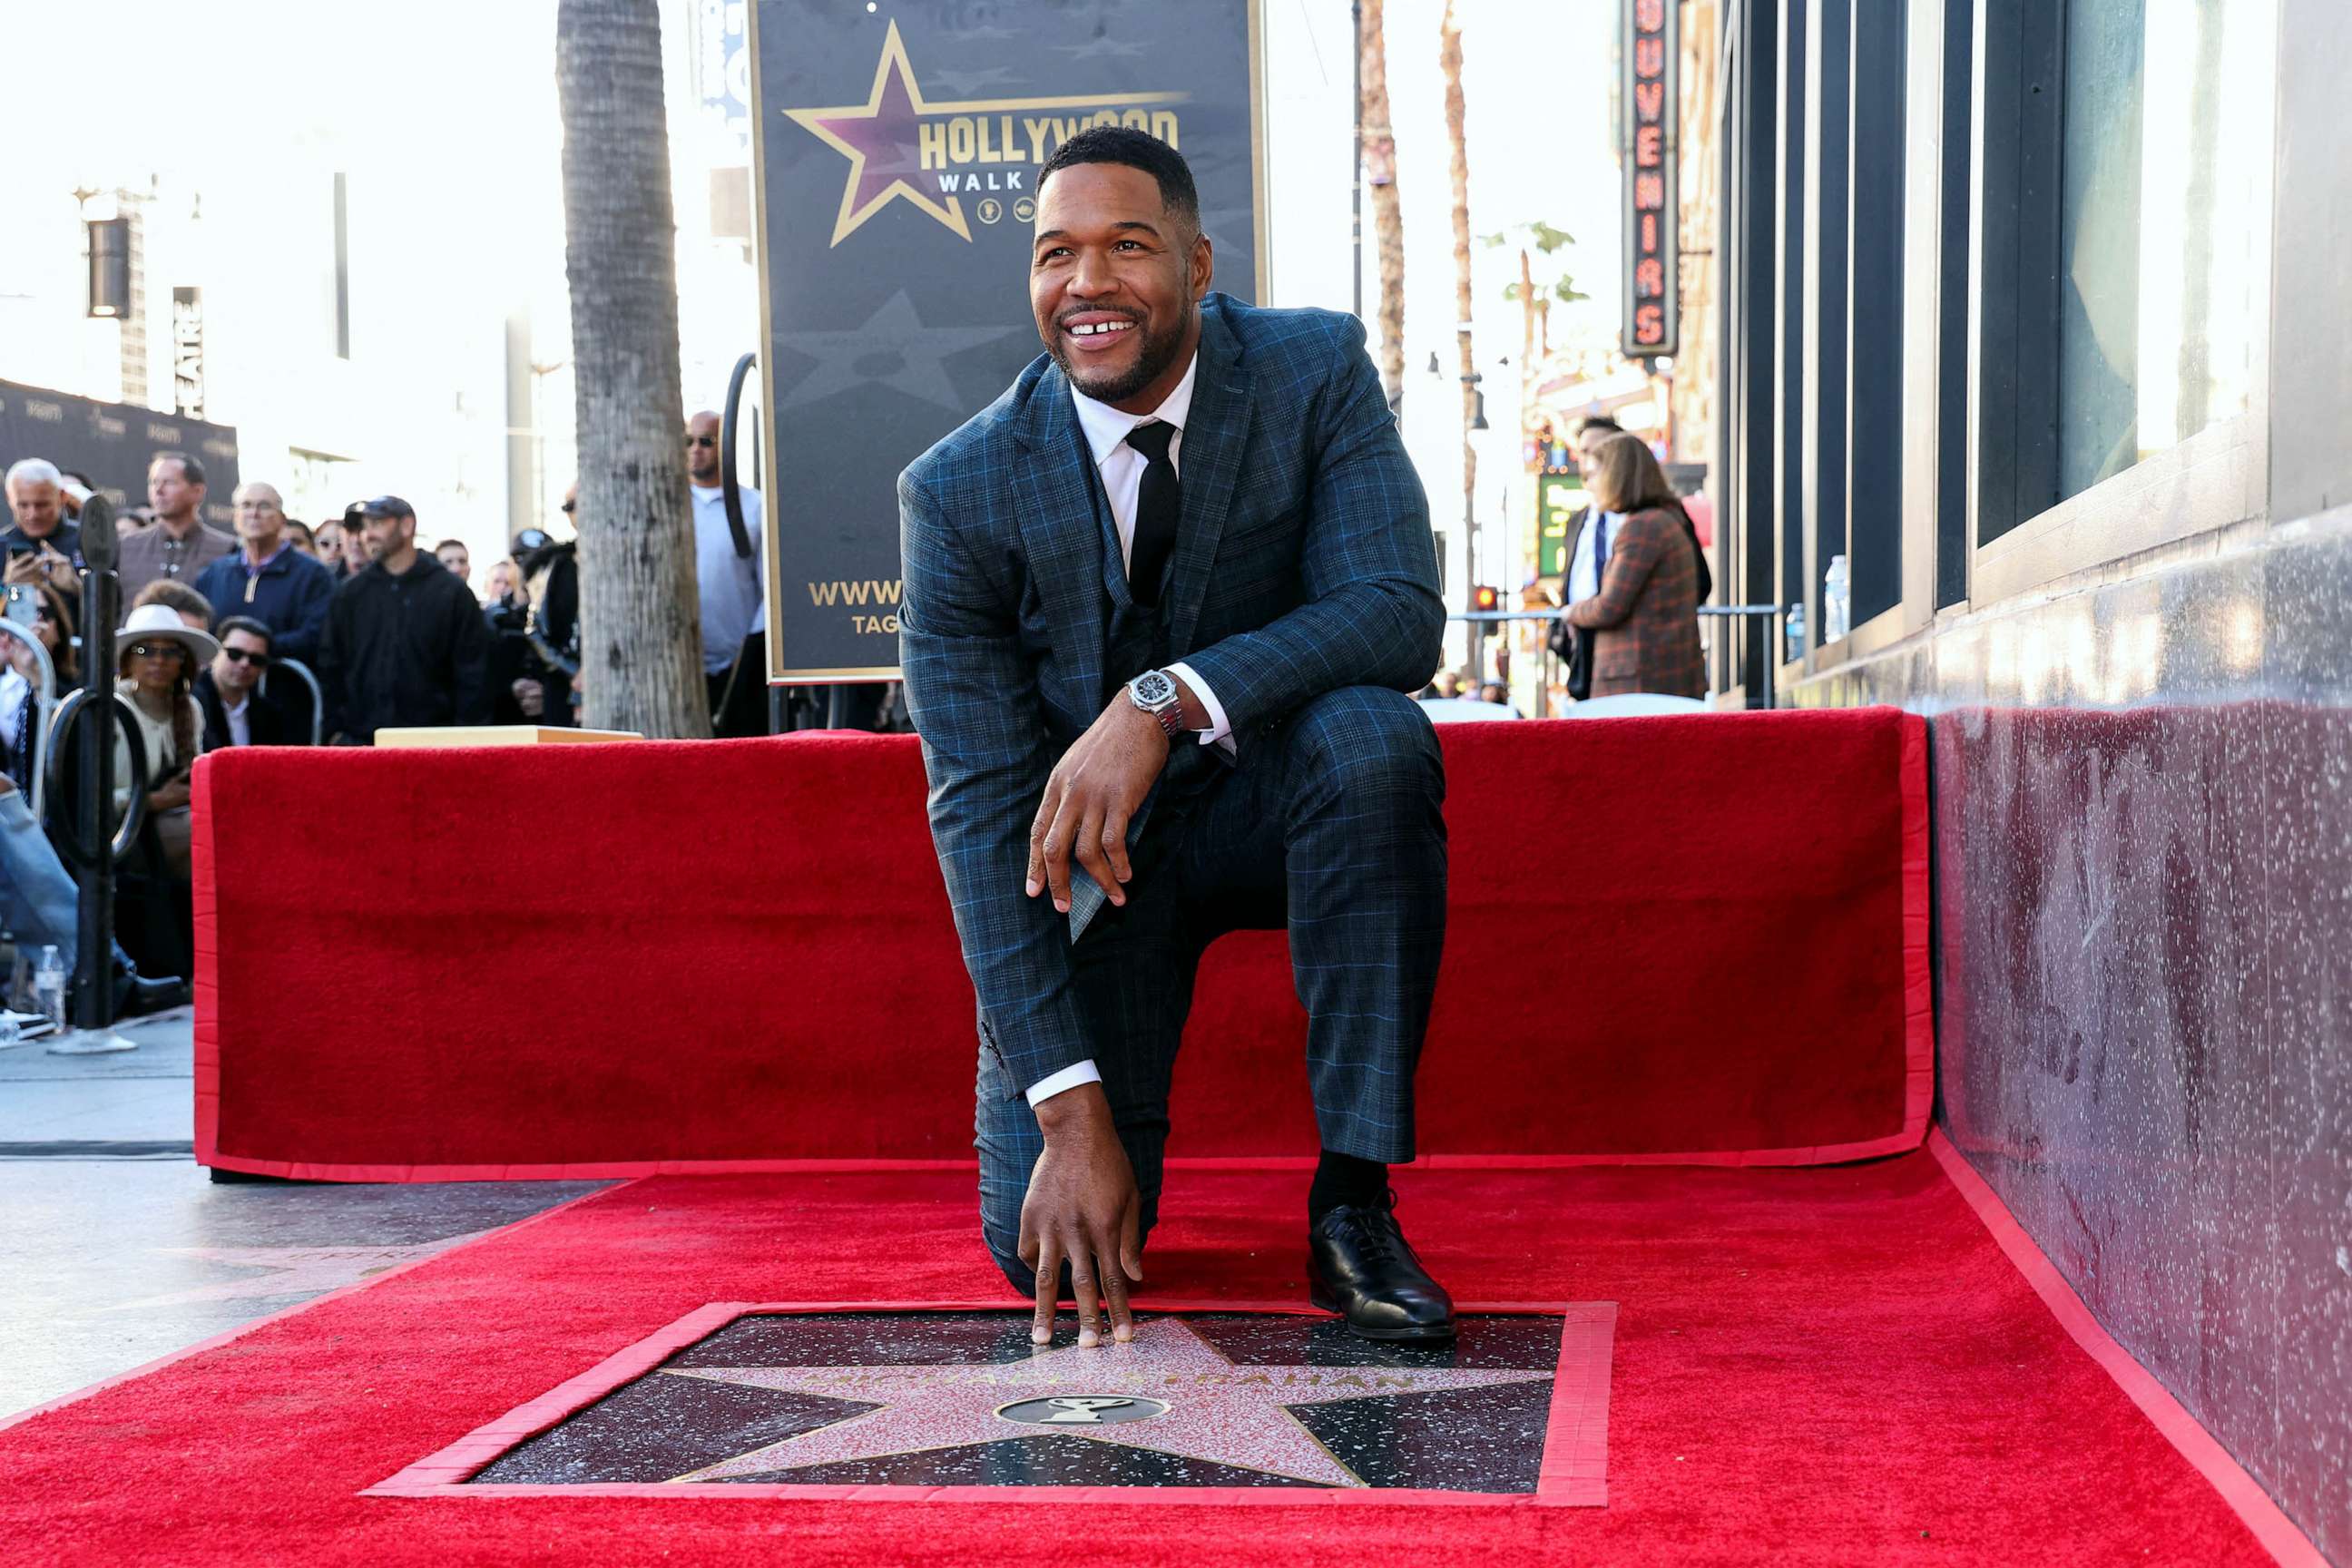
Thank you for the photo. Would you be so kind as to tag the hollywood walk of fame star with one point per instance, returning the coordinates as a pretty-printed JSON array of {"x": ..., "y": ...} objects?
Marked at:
[
  {"x": 1217, "y": 1411},
  {"x": 863, "y": 355},
  {"x": 882, "y": 138},
  {"x": 292, "y": 1270}
]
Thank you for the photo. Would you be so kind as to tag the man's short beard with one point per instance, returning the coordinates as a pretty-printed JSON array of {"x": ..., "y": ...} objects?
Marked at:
[{"x": 1154, "y": 355}]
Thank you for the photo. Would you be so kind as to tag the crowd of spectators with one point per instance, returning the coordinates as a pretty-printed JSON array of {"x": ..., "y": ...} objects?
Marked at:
[{"x": 284, "y": 633}]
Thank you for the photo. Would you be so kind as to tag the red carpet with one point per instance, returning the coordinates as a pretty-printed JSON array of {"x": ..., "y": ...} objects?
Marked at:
[
  {"x": 637, "y": 956},
  {"x": 1830, "y": 1366}
]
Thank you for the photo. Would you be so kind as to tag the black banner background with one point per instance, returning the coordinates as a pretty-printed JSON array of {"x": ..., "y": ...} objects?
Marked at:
[
  {"x": 112, "y": 443},
  {"x": 889, "y": 318}
]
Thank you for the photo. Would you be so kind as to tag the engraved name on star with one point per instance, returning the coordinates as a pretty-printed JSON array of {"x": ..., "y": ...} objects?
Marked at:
[{"x": 1218, "y": 1412}]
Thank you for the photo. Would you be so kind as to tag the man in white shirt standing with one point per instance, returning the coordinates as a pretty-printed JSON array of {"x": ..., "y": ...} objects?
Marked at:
[
  {"x": 1588, "y": 557},
  {"x": 734, "y": 607}
]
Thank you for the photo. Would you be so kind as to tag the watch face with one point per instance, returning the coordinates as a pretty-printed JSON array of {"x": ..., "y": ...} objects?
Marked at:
[{"x": 1153, "y": 688}]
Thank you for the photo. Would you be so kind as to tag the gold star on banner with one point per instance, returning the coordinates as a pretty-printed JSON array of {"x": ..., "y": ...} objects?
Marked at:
[{"x": 882, "y": 138}]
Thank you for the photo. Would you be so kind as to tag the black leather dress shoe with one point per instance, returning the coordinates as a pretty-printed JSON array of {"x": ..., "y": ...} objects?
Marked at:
[
  {"x": 1360, "y": 1264},
  {"x": 135, "y": 995}
]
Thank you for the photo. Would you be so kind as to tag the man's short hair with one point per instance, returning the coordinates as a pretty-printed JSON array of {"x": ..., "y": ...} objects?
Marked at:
[
  {"x": 1137, "y": 149},
  {"x": 1597, "y": 422},
  {"x": 447, "y": 542},
  {"x": 34, "y": 471},
  {"x": 246, "y": 624},
  {"x": 190, "y": 469}
]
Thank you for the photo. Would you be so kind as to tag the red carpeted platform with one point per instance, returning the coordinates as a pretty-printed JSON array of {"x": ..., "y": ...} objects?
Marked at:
[
  {"x": 1828, "y": 1366},
  {"x": 1694, "y": 939}
]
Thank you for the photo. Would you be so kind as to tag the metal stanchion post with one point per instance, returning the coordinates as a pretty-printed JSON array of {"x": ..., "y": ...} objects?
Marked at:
[{"x": 91, "y": 1003}]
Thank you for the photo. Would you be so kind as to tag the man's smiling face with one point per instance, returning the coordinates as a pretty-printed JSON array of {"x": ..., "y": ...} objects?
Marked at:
[{"x": 1115, "y": 281}]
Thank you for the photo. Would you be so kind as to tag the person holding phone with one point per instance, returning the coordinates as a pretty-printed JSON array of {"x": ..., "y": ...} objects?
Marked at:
[{"x": 41, "y": 546}]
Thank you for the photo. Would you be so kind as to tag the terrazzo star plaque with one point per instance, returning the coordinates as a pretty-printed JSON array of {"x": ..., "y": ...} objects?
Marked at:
[{"x": 1251, "y": 1406}]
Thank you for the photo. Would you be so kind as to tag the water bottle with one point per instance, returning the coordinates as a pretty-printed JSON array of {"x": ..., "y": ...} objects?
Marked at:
[
  {"x": 1796, "y": 633},
  {"x": 1837, "y": 602},
  {"x": 49, "y": 986}
]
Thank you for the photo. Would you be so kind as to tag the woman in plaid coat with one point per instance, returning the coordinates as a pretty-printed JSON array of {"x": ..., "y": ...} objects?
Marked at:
[{"x": 1645, "y": 616}]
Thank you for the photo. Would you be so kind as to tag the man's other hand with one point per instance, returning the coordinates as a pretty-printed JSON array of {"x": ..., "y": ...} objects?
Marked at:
[
  {"x": 1083, "y": 1209},
  {"x": 1089, "y": 799}
]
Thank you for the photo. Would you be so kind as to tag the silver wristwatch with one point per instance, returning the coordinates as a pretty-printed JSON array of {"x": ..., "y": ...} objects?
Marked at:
[{"x": 1155, "y": 692}]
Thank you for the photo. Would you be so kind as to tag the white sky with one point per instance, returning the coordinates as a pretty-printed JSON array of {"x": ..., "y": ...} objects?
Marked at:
[{"x": 444, "y": 114}]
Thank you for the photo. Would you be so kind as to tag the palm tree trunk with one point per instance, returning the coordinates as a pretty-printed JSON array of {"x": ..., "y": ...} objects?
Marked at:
[
  {"x": 641, "y": 630},
  {"x": 1379, "y": 154},
  {"x": 1449, "y": 61}
]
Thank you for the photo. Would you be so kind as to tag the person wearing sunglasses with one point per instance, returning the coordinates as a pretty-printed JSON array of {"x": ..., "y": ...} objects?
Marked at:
[{"x": 238, "y": 712}]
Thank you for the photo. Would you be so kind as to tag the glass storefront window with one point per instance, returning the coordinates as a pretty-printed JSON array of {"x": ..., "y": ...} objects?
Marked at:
[{"x": 2165, "y": 236}]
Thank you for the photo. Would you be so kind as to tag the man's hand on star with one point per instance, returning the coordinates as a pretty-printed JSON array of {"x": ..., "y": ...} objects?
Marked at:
[
  {"x": 1093, "y": 794},
  {"x": 1083, "y": 1209}
]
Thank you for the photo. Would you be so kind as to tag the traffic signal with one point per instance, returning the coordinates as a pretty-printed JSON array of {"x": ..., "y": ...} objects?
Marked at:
[{"x": 1486, "y": 599}]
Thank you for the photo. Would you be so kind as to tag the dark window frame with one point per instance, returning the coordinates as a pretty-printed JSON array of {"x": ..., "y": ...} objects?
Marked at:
[
  {"x": 1878, "y": 145},
  {"x": 1787, "y": 319},
  {"x": 2023, "y": 535},
  {"x": 1828, "y": 157},
  {"x": 1955, "y": 176}
]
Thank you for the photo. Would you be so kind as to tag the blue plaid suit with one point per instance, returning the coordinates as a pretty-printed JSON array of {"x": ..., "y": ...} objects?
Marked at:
[{"x": 1303, "y": 590}]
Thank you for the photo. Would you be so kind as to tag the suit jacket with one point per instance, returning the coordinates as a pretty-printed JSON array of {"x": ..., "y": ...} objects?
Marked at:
[
  {"x": 265, "y": 720},
  {"x": 1303, "y": 565},
  {"x": 1573, "y": 644},
  {"x": 1645, "y": 617}
]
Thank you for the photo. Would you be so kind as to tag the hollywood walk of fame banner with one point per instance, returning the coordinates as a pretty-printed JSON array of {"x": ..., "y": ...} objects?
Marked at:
[{"x": 897, "y": 152}]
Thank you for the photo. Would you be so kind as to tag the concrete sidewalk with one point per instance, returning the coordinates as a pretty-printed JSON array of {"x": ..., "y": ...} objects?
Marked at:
[{"x": 116, "y": 1247}]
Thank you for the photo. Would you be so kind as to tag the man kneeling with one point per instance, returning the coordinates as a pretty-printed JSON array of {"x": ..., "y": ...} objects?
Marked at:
[{"x": 1163, "y": 603}]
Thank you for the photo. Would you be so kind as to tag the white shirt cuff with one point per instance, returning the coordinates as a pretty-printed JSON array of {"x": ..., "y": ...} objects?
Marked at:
[
  {"x": 1072, "y": 1077},
  {"x": 1220, "y": 731}
]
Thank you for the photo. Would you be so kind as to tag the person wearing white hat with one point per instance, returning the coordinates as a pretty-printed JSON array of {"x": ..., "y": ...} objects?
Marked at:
[
  {"x": 38, "y": 897},
  {"x": 158, "y": 658}
]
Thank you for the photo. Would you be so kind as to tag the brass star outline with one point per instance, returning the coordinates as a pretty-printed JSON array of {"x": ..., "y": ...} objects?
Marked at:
[{"x": 950, "y": 210}]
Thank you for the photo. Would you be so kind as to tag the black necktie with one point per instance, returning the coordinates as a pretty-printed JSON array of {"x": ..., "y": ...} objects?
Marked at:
[
  {"x": 1600, "y": 551},
  {"x": 1156, "y": 507}
]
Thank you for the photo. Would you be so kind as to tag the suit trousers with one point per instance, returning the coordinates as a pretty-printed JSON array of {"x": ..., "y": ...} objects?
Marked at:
[{"x": 1329, "y": 825}]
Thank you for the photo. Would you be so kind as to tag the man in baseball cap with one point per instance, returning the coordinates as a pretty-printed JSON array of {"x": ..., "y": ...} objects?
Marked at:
[{"x": 406, "y": 643}]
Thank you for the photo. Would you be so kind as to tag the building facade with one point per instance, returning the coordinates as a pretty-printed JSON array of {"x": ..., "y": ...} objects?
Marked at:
[{"x": 2033, "y": 312}]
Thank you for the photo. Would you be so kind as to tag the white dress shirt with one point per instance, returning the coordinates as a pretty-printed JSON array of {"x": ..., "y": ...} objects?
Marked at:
[
  {"x": 733, "y": 604},
  {"x": 240, "y": 720},
  {"x": 1583, "y": 581},
  {"x": 1121, "y": 467}
]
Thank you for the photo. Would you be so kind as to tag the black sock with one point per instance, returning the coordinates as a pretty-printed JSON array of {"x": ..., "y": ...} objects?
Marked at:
[{"x": 1344, "y": 1179}]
